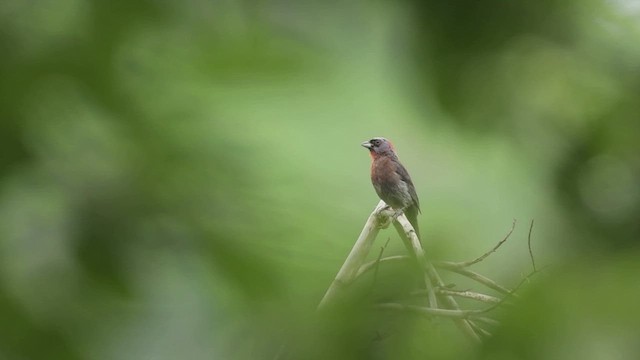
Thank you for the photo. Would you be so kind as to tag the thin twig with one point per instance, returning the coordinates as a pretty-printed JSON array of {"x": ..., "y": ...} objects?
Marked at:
[
  {"x": 479, "y": 329},
  {"x": 473, "y": 276},
  {"x": 533, "y": 262},
  {"x": 375, "y": 271},
  {"x": 469, "y": 295},
  {"x": 408, "y": 236},
  {"x": 456, "y": 314},
  {"x": 487, "y": 320},
  {"x": 373, "y": 264},
  {"x": 483, "y": 256},
  {"x": 431, "y": 294},
  {"x": 512, "y": 293},
  {"x": 354, "y": 267}
]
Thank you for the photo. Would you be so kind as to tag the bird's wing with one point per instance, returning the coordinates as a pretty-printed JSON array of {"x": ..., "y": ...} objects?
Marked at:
[{"x": 404, "y": 176}]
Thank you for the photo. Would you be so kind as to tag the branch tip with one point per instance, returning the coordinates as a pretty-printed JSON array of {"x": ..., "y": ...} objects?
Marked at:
[{"x": 533, "y": 262}]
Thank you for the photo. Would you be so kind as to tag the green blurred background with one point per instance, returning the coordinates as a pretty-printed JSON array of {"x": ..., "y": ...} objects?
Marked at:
[{"x": 184, "y": 179}]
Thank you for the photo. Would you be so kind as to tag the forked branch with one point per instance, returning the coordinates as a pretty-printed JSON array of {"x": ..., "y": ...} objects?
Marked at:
[{"x": 441, "y": 298}]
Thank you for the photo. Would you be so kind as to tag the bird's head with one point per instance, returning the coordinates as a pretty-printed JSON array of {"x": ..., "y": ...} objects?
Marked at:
[{"x": 379, "y": 146}]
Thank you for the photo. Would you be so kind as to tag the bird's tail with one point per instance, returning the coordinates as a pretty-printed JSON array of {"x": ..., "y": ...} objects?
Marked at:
[{"x": 412, "y": 215}]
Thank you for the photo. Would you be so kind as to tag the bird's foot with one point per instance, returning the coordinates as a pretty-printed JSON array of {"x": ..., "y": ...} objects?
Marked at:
[
  {"x": 385, "y": 217},
  {"x": 396, "y": 214},
  {"x": 385, "y": 221}
]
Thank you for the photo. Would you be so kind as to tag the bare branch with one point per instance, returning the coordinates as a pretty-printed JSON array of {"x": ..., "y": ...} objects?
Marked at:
[
  {"x": 470, "y": 322},
  {"x": 533, "y": 262},
  {"x": 373, "y": 264},
  {"x": 525, "y": 279},
  {"x": 483, "y": 256},
  {"x": 515, "y": 289},
  {"x": 469, "y": 295},
  {"x": 487, "y": 320},
  {"x": 358, "y": 254},
  {"x": 411, "y": 241},
  {"x": 375, "y": 273},
  {"x": 479, "y": 329},
  {"x": 456, "y": 314},
  {"x": 472, "y": 275},
  {"x": 414, "y": 246}
]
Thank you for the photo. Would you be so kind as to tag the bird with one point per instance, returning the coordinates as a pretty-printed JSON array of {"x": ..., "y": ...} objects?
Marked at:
[{"x": 391, "y": 180}]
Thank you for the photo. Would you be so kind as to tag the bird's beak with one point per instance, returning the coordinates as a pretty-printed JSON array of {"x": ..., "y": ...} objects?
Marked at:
[{"x": 367, "y": 145}]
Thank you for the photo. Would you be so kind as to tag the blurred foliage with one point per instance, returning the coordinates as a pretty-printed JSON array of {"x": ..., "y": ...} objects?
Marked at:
[{"x": 183, "y": 179}]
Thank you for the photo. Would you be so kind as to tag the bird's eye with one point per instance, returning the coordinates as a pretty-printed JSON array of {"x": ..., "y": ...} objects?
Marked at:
[{"x": 376, "y": 142}]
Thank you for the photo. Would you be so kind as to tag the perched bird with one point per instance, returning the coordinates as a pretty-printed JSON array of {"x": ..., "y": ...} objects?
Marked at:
[{"x": 392, "y": 181}]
